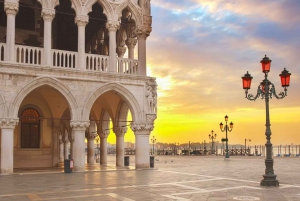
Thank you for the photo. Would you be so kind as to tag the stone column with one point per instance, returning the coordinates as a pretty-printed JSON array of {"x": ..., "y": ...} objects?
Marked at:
[
  {"x": 11, "y": 9},
  {"x": 91, "y": 141},
  {"x": 103, "y": 147},
  {"x": 120, "y": 132},
  {"x": 48, "y": 15},
  {"x": 112, "y": 28},
  {"x": 55, "y": 149},
  {"x": 71, "y": 138},
  {"x": 66, "y": 143},
  {"x": 61, "y": 149},
  {"x": 7, "y": 145},
  {"x": 142, "y": 132},
  {"x": 79, "y": 128},
  {"x": 131, "y": 42},
  {"x": 81, "y": 21},
  {"x": 142, "y": 36}
]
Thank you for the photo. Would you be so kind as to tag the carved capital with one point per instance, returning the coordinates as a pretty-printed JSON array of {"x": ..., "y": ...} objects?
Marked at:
[
  {"x": 104, "y": 134},
  {"x": 81, "y": 20},
  {"x": 48, "y": 14},
  {"x": 151, "y": 117},
  {"x": 8, "y": 123},
  {"x": 120, "y": 131},
  {"x": 131, "y": 42},
  {"x": 92, "y": 135},
  {"x": 79, "y": 125},
  {"x": 143, "y": 32},
  {"x": 139, "y": 127},
  {"x": 121, "y": 51},
  {"x": 11, "y": 7},
  {"x": 112, "y": 25}
]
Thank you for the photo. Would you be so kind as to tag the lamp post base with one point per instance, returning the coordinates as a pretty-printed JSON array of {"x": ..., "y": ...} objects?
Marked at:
[
  {"x": 227, "y": 156},
  {"x": 269, "y": 180}
]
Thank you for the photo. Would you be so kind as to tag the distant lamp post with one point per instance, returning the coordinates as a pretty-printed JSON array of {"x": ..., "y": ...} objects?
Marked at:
[
  {"x": 229, "y": 129},
  {"x": 153, "y": 140},
  {"x": 212, "y": 137},
  {"x": 204, "y": 147},
  {"x": 266, "y": 90},
  {"x": 249, "y": 140}
]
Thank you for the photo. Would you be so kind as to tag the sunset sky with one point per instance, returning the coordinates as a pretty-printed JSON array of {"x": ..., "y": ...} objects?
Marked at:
[{"x": 199, "y": 50}]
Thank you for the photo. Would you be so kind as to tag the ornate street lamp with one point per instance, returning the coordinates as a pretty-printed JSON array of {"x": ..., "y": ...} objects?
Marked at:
[
  {"x": 153, "y": 140},
  {"x": 229, "y": 129},
  {"x": 249, "y": 140},
  {"x": 266, "y": 90},
  {"x": 212, "y": 136}
]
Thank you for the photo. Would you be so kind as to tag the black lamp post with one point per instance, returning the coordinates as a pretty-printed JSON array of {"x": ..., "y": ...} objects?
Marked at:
[
  {"x": 212, "y": 137},
  {"x": 249, "y": 140},
  {"x": 266, "y": 90},
  {"x": 153, "y": 140},
  {"x": 229, "y": 130}
]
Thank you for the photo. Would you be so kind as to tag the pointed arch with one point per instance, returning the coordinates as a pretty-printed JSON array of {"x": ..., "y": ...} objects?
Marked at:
[
  {"x": 3, "y": 108},
  {"x": 136, "y": 12},
  {"x": 38, "y": 82},
  {"x": 122, "y": 113},
  {"x": 126, "y": 95}
]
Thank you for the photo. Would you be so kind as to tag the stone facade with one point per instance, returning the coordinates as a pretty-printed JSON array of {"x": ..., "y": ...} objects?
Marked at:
[{"x": 74, "y": 94}]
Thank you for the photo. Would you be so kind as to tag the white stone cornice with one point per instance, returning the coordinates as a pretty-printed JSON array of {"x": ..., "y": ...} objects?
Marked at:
[
  {"x": 131, "y": 42},
  {"x": 48, "y": 14},
  {"x": 8, "y": 123},
  {"x": 81, "y": 20},
  {"x": 80, "y": 125},
  {"x": 141, "y": 127},
  {"x": 11, "y": 7},
  {"x": 113, "y": 25}
]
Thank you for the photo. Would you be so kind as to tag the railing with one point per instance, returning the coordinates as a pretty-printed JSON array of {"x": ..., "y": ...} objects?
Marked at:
[
  {"x": 62, "y": 58},
  {"x": 68, "y": 59},
  {"x": 128, "y": 66},
  {"x": 97, "y": 62},
  {"x": 29, "y": 55},
  {"x": 2, "y": 47}
]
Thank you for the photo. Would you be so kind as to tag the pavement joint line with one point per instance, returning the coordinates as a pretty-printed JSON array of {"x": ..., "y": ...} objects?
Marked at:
[
  {"x": 176, "y": 198},
  {"x": 188, "y": 187},
  {"x": 215, "y": 190},
  {"x": 113, "y": 195},
  {"x": 118, "y": 197}
]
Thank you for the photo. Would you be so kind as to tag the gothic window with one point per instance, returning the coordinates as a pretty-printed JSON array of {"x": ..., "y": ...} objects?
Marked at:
[
  {"x": 30, "y": 128},
  {"x": 25, "y": 18}
]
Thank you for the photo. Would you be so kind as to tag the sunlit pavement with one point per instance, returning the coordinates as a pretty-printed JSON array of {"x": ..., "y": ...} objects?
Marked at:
[{"x": 174, "y": 178}]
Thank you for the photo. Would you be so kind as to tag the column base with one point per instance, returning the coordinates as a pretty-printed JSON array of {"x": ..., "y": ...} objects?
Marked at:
[
  {"x": 143, "y": 166},
  {"x": 269, "y": 180}
]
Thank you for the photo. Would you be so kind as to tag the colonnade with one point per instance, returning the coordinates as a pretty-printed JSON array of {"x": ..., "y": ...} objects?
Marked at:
[{"x": 11, "y": 9}]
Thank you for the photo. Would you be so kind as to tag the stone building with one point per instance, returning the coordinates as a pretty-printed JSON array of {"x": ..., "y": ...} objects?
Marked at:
[{"x": 68, "y": 70}]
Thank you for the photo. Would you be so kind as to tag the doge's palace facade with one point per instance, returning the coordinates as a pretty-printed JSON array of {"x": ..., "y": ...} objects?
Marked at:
[{"x": 71, "y": 70}]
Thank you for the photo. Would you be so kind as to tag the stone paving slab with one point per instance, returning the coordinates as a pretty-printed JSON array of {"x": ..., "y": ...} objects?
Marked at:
[{"x": 207, "y": 178}]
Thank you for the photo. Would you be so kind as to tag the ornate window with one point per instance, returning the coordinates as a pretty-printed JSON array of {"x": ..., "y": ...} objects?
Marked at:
[{"x": 30, "y": 128}]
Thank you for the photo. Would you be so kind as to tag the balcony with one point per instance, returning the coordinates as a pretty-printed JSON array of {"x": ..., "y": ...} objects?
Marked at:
[{"x": 67, "y": 59}]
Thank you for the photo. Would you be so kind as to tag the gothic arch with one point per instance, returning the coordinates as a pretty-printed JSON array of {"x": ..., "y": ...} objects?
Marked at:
[
  {"x": 3, "y": 108},
  {"x": 48, "y": 4},
  {"x": 122, "y": 91},
  {"x": 136, "y": 13},
  {"x": 40, "y": 81},
  {"x": 122, "y": 113}
]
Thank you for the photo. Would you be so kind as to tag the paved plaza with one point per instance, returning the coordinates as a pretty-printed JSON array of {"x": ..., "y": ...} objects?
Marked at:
[{"x": 199, "y": 178}]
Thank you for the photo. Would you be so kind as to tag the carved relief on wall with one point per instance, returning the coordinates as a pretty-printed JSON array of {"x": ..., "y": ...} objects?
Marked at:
[{"x": 151, "y": 95}]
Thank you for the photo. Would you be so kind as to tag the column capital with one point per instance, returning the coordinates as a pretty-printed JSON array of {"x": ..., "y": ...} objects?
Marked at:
[
  {"x": 121, "y": 51},
  {"x": 143, "y": 32},
  {"x": 142, "y": 128},
  {"x": 11, "y": 7},
  {"x": 81, "y": 20},
  {"x": 8, "y": 123},
  {"x": 104, "y": 134},
  {"x": 131, "y": 42},
  {"x": 80, "y": 125},
  {"x": 48, "y": 14},
  {"x": 120, "y": 131},
  {"x": 113, "y": 25},
  {"x": 92, "y": 135}
]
